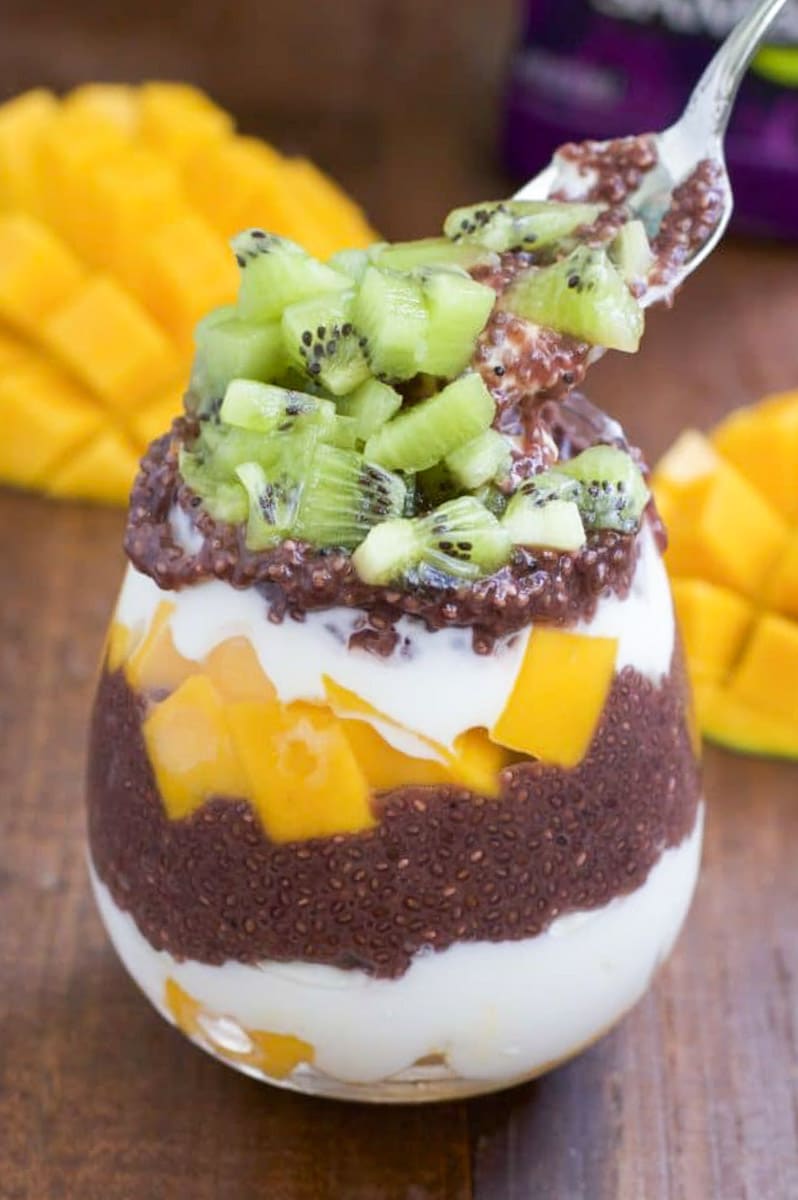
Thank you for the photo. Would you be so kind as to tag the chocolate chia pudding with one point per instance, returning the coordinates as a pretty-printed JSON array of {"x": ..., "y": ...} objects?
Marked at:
[{"x": 393, "y": 788}]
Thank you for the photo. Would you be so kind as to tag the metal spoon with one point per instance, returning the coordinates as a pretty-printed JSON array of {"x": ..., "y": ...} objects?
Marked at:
[{"x": 696, "y": 136}]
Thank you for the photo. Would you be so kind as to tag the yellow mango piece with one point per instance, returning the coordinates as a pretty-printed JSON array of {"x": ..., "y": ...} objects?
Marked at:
[
  {"x": 478, "y": 761},
  {"x": 766, "y": 677},
  {"x": 558, "y": 696},
  {"x": 23, "y": 122},
  {"x": 714, "y": 623},
  {"x": 177, "y": 297},
  {"x": 235, "y": 671},
  {"x": 155, "y": 663},
  {"x": 339, "y": 221},
  {"x": 154, "y": 418},
  {"x": 179, "y": 121},
  {"x": 781, "y": 589},
  {"x": 117, "y": 103},
  {"x": 38, "y": 272},
  {"x": 13, "y": 351},
  {"x": 276, "y": 1054},
  {"x": 101, "y": 471},
  {"x": 190, "y": 748},
  {"x": 762, "y": 442},
  {"x": 384, "y": 766},
  {"x": 720, "y": 528},
  {"x": 304, "y": 778},
  {"x": 128, "y": 195},
  {"x": 118, "y": 645},
  {"x": 44, "y": 416},
  {"x": 111, "y": 343},
  {"x": 725, "y": 719},
  {"x": 237, "y": 183}
]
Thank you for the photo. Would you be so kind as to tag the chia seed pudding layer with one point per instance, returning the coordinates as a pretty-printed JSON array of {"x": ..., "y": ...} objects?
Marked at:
[
  {"x": 443, "y": 865},
  {"x": 557, "y": 587}
]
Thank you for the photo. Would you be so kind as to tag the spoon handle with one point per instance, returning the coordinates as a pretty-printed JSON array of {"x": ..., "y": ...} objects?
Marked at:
[{"x": 710, "y": 105}]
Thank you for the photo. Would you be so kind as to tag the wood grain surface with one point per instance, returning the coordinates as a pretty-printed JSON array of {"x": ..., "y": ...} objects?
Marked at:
[{"x": 695, "y": 1095}]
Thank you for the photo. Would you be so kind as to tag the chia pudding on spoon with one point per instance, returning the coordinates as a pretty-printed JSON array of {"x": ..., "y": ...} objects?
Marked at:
[{"x": 393, "y": 788}]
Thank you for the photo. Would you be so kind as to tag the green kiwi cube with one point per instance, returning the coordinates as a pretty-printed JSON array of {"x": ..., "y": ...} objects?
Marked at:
[
  {"x": 321, "y": 339},
  {"x": 344, "y": 496},
  {"x": 582, "y": 295},
  {"x": 429, "y": 252},
  {"x": 556, "y": 525},
  {"x": 231, "y": 348},
  {"x": 388, "y": 552},
  {"x": 353, "y": 262},
  {"x": 370, "y": 406},
  {"x": 613, "y": 490},
  {"x": 631, "y": 252},
  {"x": 225, "y": 500},
  {"x": 464, "y": 540},
  {"x": 390, "y": 313},
  {"x": 458, "y": 308},
  {"x": 482, "y": 460},
  {"x": 424, "y": 434},
  {"x": 271, "y": 508},
  {"x": 276, "y": 272},
  {"x": 518, "y": 224},
  {"x": 263, "y": 407}
]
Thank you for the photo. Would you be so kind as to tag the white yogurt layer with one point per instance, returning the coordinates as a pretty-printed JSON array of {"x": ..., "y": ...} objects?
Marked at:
[
  {"x": 434, "y": 685},
  {"x": 496, "y": 1010}
]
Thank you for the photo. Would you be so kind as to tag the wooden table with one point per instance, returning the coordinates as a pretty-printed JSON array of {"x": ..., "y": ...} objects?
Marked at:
[{"x": 695, "y": 1096}]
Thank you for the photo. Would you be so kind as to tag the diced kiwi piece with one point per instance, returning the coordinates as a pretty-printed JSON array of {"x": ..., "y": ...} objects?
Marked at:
[
  {"x": 582, "y": 295},
  {"x": 551, "y": 485},
  {"x": 556, "y": 525},
  {"x": 370, "y": 405},
  {"x": 353, "y": 262},
  {"x": 460, "y": 540},
  {"x": 631, "y": 252},
  {"x": 424, "y": 434},
  {"x": 273, "y": 500},
  {"x": 389, "y": 311},
  {"x": 429, "y": 252},
  {"x": 264, "y": 408},
  {"x": 344, "y": 496},
  {"x": 613, "y": 491},
  {"x": 493, "y": 498},
  {"x": 276, "y": 272},
  {"x": 458, "y": 308},
  {"x": 231, "y": 348},
  {"x": 518, "y": 224},
  {"x": 479, "y": 461},
  {"x": 321, "y": 339},
  {"x": 225, "y": 500}
]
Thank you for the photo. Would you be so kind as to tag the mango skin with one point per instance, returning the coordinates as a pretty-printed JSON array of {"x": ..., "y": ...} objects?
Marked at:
[
  {"x": 116, "y": 207},
  {"x": 730, "y": 501}
]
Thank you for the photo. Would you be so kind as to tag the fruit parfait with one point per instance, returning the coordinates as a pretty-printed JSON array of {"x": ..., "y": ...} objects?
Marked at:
[{"x": 393, "y": 793}]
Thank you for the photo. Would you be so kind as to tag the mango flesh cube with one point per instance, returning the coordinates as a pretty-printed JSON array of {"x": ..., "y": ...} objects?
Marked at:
[
  {"x": 13, "y": 351},
  {"x": 766, "y": 678},
  {"x": 155, "y": 664},
  {"x": 155, "y": 418},
  {"x": 725, "y": 719},
  {"x": 176, "y": 297},
  {"x": 781, "y": 591},
  {"x": 101, "y": 471},
  {"x": 384, "y": 766},
  {"x": 190, "y": 748},
  {"x": 111, "y": 343},
  {"x": 558, "y": 696},
  {"x": 117, "y": 103},
  {"x": 44, "y": 417},
  {"x": 234, "y": 670},
  {"x": 179, "y": 121},
  {"x": 23, "y": 122},
  {"x": 478, "y": 761},
  {"x": 38, "y": 272},
  {"x": 335, "y": 217},
  {"x": 304, "y": 779},
  {"x": 118, "y": 646},
  {"x": 714, "y": 622},
  {"x": 762, "y": 442},
  {"x": 234, "y": 185}
]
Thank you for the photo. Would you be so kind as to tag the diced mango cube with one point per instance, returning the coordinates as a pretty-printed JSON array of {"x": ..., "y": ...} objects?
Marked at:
[
  {"x": 762, "y": 442},
  {"x": 23, "y": 122},
  {"x": 558, "y": 696},
  {"x": 38, "y": 272},
  {"x": 13, "y": 351},
  {"x": 44, "y": 416},
  {"x": 331, "y": 220},
  {"x": 117, "y": 103},
  {"x": 766, "y": 677},
  {"x": 190, "y": 748},
  {"x": 234, "y": 669},
  {"x": 725, "y": 719},
  {"x": 155, "y": 663},
  {"x": 478, "y": 761},
  {"x": 177, "y": 297},
  {"x": 179, "y": 121},
  {"x": 701, "y": 494},
  {"x": 111, "y": 343},
  {"x": 781, "y": 590},
  {"x": 118, "y": 645},
  {"x": 102, "y": 471},
  {"x": 304, "y": 778},
  {"x": 153, "y": 419},
  {"x": 714, "y": 622},
  {"x": 384, "y": 766},
  {"x": 235, "y": 184}
]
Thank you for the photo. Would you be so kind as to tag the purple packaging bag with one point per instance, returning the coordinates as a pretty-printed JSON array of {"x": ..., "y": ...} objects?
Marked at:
[{"x": 606, "y": 68}]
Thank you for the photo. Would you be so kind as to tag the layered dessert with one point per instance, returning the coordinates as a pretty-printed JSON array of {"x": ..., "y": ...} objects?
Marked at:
[{"x": 393, "y": 789}]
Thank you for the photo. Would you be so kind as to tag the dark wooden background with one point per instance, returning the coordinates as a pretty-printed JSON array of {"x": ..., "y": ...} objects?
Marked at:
[{"x": 695, "y": 1096}]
